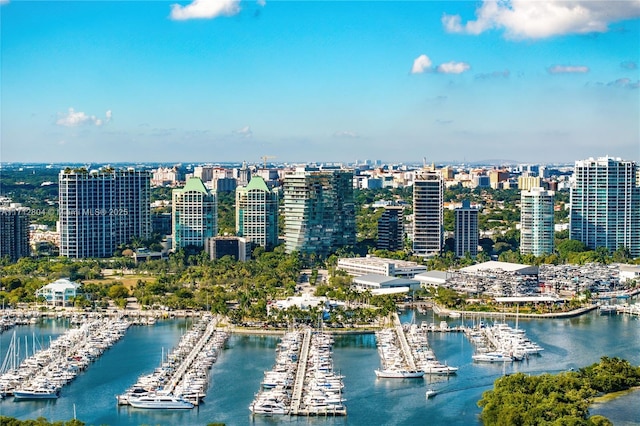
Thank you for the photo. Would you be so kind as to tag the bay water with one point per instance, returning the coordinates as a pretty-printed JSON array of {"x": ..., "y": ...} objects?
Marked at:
[{"x": 236, "y": 376}]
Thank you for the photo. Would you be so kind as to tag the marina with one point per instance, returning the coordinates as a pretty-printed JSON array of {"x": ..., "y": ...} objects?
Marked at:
[
  {"x": 302, "y": 382},
  {"x": 43, "y": 374},
  {"x": 241, "y": 366},
  {"x": 182, "y": 379}
]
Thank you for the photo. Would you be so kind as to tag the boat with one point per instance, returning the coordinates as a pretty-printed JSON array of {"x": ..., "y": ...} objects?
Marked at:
[
  {"x": 399, "y": 374},
  {"x": 40, "y": 392},
  {"x": 160, "y": 402},
  {"x": 608, "y": 309},
  {"x": 492, "y": 357},
  {"x": 268, "y": 407},
  {"x": 431, "y": 393}
]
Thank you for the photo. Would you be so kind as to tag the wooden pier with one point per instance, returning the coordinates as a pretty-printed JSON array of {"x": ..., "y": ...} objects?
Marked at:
[
  {"x": 298, "y": 386},
  {"x": 404, "y": 345}
]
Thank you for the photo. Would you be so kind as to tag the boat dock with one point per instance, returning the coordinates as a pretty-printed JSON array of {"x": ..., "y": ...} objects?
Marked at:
[
  {"x": 302, "y": 382},
  {"x": 43, "y": 374},
  {"x": 404, "y": 345},
  {"x": 183, "y": 376}
]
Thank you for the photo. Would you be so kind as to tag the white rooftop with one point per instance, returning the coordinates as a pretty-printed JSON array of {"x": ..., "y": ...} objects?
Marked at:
[{"x": 494, "y": 265}]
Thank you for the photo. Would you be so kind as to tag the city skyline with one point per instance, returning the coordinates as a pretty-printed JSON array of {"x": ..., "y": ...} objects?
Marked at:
[{"x": 319, "y": 81}]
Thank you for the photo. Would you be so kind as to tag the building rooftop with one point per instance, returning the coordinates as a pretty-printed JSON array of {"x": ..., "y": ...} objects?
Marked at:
[
  {"x": 494, "y": 265},
  {"x": 257, "y": 183}
]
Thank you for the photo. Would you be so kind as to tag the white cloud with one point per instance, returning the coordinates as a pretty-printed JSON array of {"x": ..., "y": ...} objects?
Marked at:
[
  {"x": 205, "y": 9},
  {"x": 568, "y": 69},
  {"x": 630, "y": 65},
  {"x": 3, "y": 2},
  {"x": 544, "y": 18},
  {"x": 421, "y": 64},
  {"x": 626, "y": 83},
  {"x": 74, "y": 118},
  {"x": 453, "y": 67},
  {"x": 262, "y": 3},
  {"x": 245, "y": 132}
]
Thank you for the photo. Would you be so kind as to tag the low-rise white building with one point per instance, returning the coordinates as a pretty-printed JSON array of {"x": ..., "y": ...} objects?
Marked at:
[
  {"x": 358, "y": 266},
  {"x": 59, "y": 293},
  {"x": 629, "y": 272},
  {"x": 380, "y": 283}
]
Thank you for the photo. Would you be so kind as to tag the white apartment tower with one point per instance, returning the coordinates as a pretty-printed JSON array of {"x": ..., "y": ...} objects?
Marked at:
[
  {"x": 101, "y": 209},
  {"x": 194, "y": 215},
  {"x": 257, "y": 213},
  {"x": 605, "y": 204},
  {"x": 428, "y": 219},
  {"x": 466, "y": 230},
  {"x": 536, "y": 222}
]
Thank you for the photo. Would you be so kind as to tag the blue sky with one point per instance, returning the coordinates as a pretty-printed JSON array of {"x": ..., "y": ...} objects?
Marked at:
[{"x": 222, "y": 80}]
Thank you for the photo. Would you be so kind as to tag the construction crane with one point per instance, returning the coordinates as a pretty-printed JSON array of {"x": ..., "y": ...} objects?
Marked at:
[{"x": 265, "y": 158}]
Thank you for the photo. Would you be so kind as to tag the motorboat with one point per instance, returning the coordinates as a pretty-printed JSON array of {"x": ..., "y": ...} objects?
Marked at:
[
  {"x": 161, "y": 402},
  {"x": 431, "y": 393},
  {"x": 39, "y": 392},
  {"x": 492, "y": 357},
  {"x": 399, "y": 374}
]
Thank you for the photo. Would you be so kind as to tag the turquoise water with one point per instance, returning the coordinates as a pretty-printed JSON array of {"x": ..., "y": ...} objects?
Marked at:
[{"x": 236, "y": 376}]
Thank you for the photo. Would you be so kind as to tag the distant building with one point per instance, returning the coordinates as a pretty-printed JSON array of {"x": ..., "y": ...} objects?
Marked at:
[
  {"x": 59, "y": 293},
  {"x": 357, "y": 266},
  {"x": 380, "y": 284},
  {"x": 428, "y": 216},
  {"x": 319, "y": 211},
  {"x": 466, "y": 230},
  {"x": 225, "y": 184},
  {"x": 391, "y": 229},
  {"x": 257, "y": 213},
  {"x": 605, "y": 204},
  {"x": 195, "y": 215},
  {"x": 101, "y": 209},
  {"x": 526, "y": 183},
  {"x": 237, "y": 247},
  {"x": 536, "y": 222},
  {"x": 166, "y": 176},
  {"x": 14, "y": 232}
]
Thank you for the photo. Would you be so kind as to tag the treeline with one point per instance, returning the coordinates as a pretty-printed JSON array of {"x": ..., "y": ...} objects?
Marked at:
[
  {"x": 40, "y": 421},
  {"x": 562, "y": 399}
]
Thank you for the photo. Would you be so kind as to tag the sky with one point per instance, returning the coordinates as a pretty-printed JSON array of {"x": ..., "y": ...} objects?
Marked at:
[{"x": 532, "y": 81}]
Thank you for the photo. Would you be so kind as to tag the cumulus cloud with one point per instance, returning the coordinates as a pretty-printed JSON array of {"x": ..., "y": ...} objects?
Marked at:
[
  {"x": 544, "y": 18},
  {"x": 629, "y": 65},
  {"x": 205, "y": 9},
  {"x": 567, "y": 69},
  {"x": 245, "y": 132},
  {"x": 453, "y": 67},
  {"x": 421, "y": 64},
  {"x": 73, "y": 118}
]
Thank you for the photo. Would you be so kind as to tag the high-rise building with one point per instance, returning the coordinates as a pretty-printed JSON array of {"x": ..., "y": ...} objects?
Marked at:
[
  {"x": 428, "y": 216},
  {"x": 195, "y": 215},
  {"x": 536, "y": 222},
  {"x": 101, "y": 209},
  {"x": 319, "y": 212},
  {"x": 391, "y": 229},
  {"x": 466, "y": 230},
  {"x": 605, "y": 204},
  {"x": 257, "y": 213},
  {"x": 14, "y": 231}
]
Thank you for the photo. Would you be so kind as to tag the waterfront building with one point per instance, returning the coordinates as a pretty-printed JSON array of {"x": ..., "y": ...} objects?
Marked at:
[
  {"x": 195, "y": 215},
  {"x": 14, "y": 231},
  {"x": 466, "y": 230},
  {"x": 382, "y": 284},
  {"x": 391, "y": 229},
  {"x": 102, "y": 209},
  {"x": 357, "y": 266},
  {"x": 237, "y": 247},
  {"x": 536, "y": 222},
  {"x": 319, "y": 212},
  {"x": 257, "y": 213},
  {"x": 59, "y": 293},
  {"x": 605, "y": 204},
  {"x": 428, "y": 219}
]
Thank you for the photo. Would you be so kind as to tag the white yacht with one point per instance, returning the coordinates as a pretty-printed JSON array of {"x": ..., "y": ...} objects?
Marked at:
[
  {"x": 161, "y": 402},
  {"x": 399, "y": 374},
  {"x": 492, "y": 357}
]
